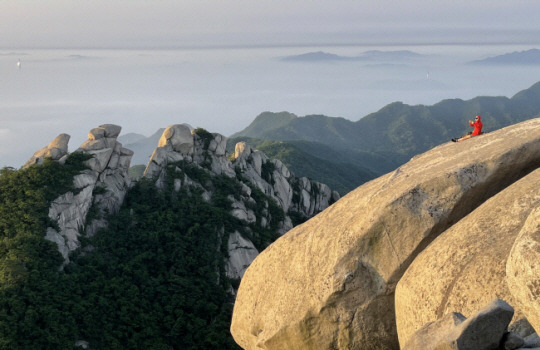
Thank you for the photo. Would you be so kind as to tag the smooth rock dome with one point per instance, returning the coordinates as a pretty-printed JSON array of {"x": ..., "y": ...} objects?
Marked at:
[{"x": 330, "y": 282}]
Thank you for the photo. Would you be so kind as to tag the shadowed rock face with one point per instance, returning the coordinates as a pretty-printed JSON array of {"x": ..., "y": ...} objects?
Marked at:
[
  {"x": 484, "y": 330},
  {"x": 466, "y": 265},
  {"x": 330, "y": 282}
]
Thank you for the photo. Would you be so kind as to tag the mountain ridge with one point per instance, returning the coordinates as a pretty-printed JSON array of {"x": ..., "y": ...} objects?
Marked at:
[
  {"x": 161, "y": 268},
  {"x": 372, "y": 55},
  {"x": 102, "y": 261},
  {"x": 399, "y": 131},
  {"x": 527, "y": 57}
]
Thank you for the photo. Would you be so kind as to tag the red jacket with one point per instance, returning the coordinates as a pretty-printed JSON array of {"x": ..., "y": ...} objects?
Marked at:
[{"x": 477, "y": 126}]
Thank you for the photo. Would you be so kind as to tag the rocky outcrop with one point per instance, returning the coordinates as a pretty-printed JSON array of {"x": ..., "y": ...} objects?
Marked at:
[
  {"x": 485, "y": 330},
  {"x": 56, "y": 150},
  {"x": 271, "y": 176},
  {"x": 178, "y": 143},
  {"x": 330, "y": 282},
  {"x": 471, "y": 276},
  {"x": 253, "y": 171},
  {"x": 523, "y": 268},
  {"x": 102, "y": 186}
]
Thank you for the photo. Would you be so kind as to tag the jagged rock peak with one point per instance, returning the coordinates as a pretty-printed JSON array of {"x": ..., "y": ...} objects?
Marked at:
[
  {"x": 273, "y": 178},
  {"x": 197, "y": 146},
  {"x": 108, "y": 171},
  {"x": 242, "y": 149},
  {"x": 56, "y": 150},
  {"x": 103, "y": 146},
  {"x": 252, "y": 169}
]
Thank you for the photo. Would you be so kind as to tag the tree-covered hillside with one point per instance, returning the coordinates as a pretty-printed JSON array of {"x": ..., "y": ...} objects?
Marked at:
[
  {"x": 160, "y": 270},
  {"x": 154, "y": 279}
]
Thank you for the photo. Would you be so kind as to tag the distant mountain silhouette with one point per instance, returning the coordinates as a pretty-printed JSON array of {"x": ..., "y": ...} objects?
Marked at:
[
  {"x": 142, "y": 146},
  {"x": 374, "y": 55},
  {"x": 130, "y": 138},
  {"x": 529, "y": 57},
  {"x": 318, "y": 56}
]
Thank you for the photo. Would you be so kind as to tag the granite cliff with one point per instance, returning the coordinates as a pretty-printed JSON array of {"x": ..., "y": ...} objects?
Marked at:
[
  {"x": 193, "y": 158},
  {"x": 297, "y": 198},
  {"x": 330, "y": 283},
  {"x": 102, "y": 186}
]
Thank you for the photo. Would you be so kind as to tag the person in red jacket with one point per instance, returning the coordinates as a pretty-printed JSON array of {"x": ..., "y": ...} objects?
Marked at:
[{"x": 477, "y": 124}]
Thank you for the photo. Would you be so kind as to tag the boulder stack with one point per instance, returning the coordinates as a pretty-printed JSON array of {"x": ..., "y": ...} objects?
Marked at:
[{"x": 485, "y": 330}]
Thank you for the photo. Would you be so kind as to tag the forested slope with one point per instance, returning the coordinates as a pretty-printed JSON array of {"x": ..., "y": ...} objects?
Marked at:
[{"x": 153, "y": 279}]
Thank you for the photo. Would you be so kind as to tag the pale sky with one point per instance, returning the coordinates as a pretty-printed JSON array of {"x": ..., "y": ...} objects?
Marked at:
[
  {"x": 167, "y": 23},
  {"x": 73, "y": 90}
]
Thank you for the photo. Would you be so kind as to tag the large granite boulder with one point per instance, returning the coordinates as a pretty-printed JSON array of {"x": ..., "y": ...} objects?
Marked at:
[
  {"x": 179, "y": 138},
  {"x": 523, "y": 268},
  {"x": 466, "y": 266},
  {"x": 330, "y": 282}
]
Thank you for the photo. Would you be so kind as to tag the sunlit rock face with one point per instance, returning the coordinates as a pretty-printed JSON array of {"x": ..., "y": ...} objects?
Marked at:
[
  {"x": 330, "y": 283},
  {"x": 56, "y": 150}
]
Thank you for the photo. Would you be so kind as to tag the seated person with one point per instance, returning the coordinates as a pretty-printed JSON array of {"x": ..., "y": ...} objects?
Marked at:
[{"x": 477, "y": 124}]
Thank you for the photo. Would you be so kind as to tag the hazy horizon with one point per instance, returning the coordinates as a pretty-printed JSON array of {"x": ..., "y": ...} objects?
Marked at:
[{"x": 216, "y": 64}]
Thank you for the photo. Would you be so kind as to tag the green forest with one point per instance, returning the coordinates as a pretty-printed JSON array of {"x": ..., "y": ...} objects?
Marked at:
[{"x": 154, "y": 279}]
